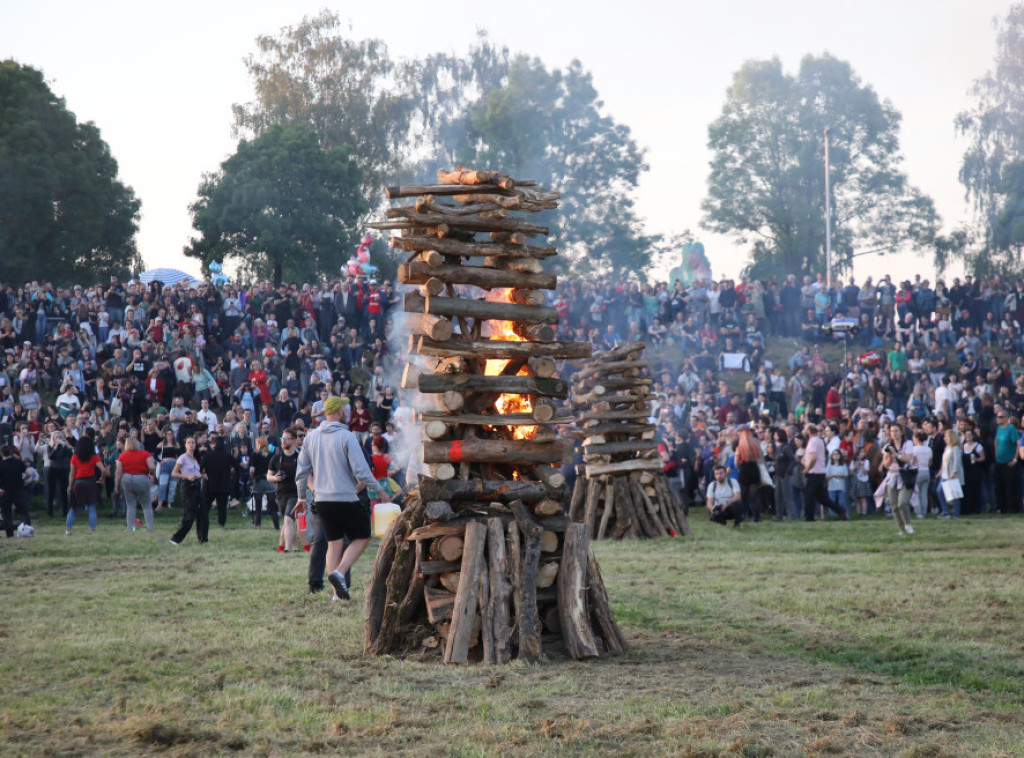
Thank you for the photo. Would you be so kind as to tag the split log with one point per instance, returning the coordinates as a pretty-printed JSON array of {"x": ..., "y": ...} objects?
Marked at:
[
  {"x": 517, "y": 385},
  {"x": 455, "y": 222},
  {"x": 414, "y": 302},
  {"x": 626, "y": 446},
  {"x": 451, "y": 580},
  {"x": 459, "y": 249},
  {"x": 559, "y": 416},
  {"x": 593, "y": 498},
  {"x": 547, "y": 574},
  {"x": 410, "y": 604},
  {"x": 396, "y": 587},
  {"x": 614, "y": 641},
  {"x": 625, "y": 514},
  {"x": 439, "y": 603},
  {"x": 515, "y": 575},
  {"x": 644, "y": 504},
  {"x": 434, "y": 327},
  {"x": 577, "y": 633},
  {"x": 497, "y": 349},
  {"x": 485, "y": 278},
  {"x": 666, "y": 494},
  {"x": 579, "y": 493},
  {"x": 597, "y": 370},
  {"x": 447, "y": 548},
  {"x": 529, "y": 634},
  {"x": 435, "y": 568},
  {"x": 496, "y": 451},
  {"x": 609, "y": 507},
  {"x": 486, "y": 609},
  {"x": 484, "y": 489},
  {"x": 500, "y": 591},
  {"x": 438, "y": 530},
  {"x": 550, "y": 476},
  {"x": 548, "y": 541},
  {"x": 376, "y": 588}
]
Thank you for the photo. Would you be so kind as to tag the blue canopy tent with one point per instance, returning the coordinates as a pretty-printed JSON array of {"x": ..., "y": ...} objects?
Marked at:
[{"x": 167, "y": 276}]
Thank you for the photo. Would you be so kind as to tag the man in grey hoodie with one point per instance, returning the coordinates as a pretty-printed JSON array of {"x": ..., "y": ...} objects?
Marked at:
[{"x": 332, "y": 455}]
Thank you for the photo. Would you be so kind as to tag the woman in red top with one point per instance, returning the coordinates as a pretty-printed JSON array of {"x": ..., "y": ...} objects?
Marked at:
[
  {"x": 83, "y": 486},
  {"x": 258, "y": 379},
  {"x": 359, "y": 419},
  {"x": 136, "y": 470}
]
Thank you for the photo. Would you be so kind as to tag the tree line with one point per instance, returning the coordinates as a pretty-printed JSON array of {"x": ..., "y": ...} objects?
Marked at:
[{"x": 334, "y": 119}]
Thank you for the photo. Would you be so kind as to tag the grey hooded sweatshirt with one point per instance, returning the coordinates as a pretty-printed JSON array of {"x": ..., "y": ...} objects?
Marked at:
[{"x": 332, "y": 454}]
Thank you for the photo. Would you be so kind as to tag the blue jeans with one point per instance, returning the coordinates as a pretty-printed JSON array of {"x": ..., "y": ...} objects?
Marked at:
[
  {"x": 70, "y": 522},
  {"x": 167, "y": 485},
  {"x": 840, "y": 499}
]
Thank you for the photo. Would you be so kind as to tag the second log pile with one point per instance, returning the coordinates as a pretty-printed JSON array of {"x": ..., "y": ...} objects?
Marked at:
[
  {"x": 483, "y": 560},
  {"x": 620, "y": 490}
]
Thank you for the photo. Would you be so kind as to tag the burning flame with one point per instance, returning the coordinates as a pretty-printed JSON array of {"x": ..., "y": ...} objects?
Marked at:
[{"x": 508, "y": 403}]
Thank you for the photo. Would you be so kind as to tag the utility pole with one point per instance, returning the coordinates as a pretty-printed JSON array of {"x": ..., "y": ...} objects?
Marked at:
[{"x": 828, "y": 219}]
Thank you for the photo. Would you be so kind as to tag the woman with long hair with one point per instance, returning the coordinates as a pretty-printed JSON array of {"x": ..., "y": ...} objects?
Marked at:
[
  {"x": 83, "y": 484},
  {"x": 167, "y": 452},
  {"x": 259, "y": 463},
  {"x": 974, "y": 465},
  {"x": 196, "y": 510},
  {"x": 749, "y": 460},
  {"x": 898, "y": 452},
  {"x": 952, "y": 470}
]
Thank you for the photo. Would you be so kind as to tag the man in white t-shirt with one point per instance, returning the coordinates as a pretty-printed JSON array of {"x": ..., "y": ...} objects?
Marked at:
[
  {"x": 724, "y": 500},
  {"x": 207, "y": 416},
  {"x": 941, "y": 397}
]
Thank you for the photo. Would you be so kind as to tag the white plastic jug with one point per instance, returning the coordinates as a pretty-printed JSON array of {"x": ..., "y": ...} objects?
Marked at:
[{"x": 384, "y": 514}]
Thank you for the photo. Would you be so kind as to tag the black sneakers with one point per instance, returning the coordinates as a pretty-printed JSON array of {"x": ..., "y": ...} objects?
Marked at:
[{"x": 337, "y": 580}]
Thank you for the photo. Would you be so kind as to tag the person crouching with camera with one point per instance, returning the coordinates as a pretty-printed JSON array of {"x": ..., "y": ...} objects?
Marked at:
[{"x": 724, "y": 499}]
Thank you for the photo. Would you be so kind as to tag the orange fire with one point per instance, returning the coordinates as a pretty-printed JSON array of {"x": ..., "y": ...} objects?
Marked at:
[{"x": 508, "y": 403}]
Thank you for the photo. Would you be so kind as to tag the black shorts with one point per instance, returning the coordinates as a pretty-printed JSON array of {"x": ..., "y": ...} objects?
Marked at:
[{"x": 340, "y": 520}]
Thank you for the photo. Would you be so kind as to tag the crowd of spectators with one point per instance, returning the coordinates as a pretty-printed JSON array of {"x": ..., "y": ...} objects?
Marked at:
[{"x": 240, "y": 364}]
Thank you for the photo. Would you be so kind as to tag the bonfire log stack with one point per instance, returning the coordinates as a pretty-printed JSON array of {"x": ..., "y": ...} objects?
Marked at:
[
  {"x": 621, "y": 490},
  {"x": 483, "y": 563}
]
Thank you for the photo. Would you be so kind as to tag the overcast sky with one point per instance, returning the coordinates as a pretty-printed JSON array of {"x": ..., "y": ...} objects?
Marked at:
[{"x": 159, "y": 81}]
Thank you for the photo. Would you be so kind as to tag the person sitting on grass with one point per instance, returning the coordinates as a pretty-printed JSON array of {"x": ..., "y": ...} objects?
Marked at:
[{"x": 724, "y": 499}]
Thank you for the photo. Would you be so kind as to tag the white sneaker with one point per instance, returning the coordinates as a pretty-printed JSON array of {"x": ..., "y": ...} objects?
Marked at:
[{"x": 910, "y": 529}]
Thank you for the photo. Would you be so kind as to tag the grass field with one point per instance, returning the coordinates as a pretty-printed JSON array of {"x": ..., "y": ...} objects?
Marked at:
[{"x": 779, "y": 639}]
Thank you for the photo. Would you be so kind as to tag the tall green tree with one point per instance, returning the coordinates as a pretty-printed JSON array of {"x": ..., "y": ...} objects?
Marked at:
[
  {"x": 990, "y": 167},
  {"x": 281, "y": 206},
  {"x": 767, "y": 183},
  {"x": 550, "y": 126},
  {"x": 348, "y": 91},
  {"x": 64, "y": 214}
]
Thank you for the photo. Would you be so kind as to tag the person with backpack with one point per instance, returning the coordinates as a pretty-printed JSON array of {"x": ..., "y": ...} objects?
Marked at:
[{"x": 724, "y": 499}]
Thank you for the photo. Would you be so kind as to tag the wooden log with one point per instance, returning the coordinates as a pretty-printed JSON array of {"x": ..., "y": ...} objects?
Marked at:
[
  {"x": 490, "y": 251},
  {"x": 633, "y": 383},
  {"x": 617, "y": 354},
  {"x": 529, "y": 265},
  {"x": 548, "y": 541},
  {"x": 593, "y": 498},
  {"x": 409, "y": 190},
  {"x": 410, "y": 376},
  {"x": 469, "y": 177},
  {"x": 414, "y": 302},
  {"x": 625, "y": 513},
  {"x": 451, "y": 580},
  {"x": 436, "y": 568},
  {"x": 600, "y": 370},
  {"x": 439, "y": 603},
  {"x": 396, "y": 587},
  {"x": 486, "y": 609},
  {"x": 552, "y": 623},
  {"x": 530, "y": 297},
  {"x": 485, "y": 278},
  {"x": 535, "y": 332},
  {"x": 516, "y": 385},
  {"x": 529, "y": 634},
  {"x": 439, "y": 510},
  {"x": 542, "y": 367},
  {"x": 621, "y": 427},
  {"x": 579, "y": 493},
  {"x": 558, "y": 416},
  {"x": 456, "y": 222},
  {"x": 609, "y": 507},
  {"x": 647, "y": 526},
  {"x": 376, "y": 588},
  {"x": 451, "y": 402},
  {"x": 634, "y": 464},
  {"x": 498, "y": 349},
  {"x": 447, "y": 548},
  {"x": 626, "y": 446},
  {"x": 431, "y": 531},
  {"x": 496, "y": 451},
  {"x": 434, "y": 327},
  {"x": 500, "y": 591},
  {"x": 666, "y": 494},
  {"x": 514, "y": 555},
  {"x": 573, "y": 612},
  {"x": 432, "y": 287},
  {"x": 614, "y": 641},
  {"x": 443, "y": 471},
  {"x": 410, "y": 605},
  {"x": 516, "y": 238},
  {"x": 501, "y": 491},
  {"x": 612, "y": 415},
  {"x": 548, "y": 507},
  {"x": 547, "y": 573},
  {"x": 549, "y": 475},
  {"x": 435, "y": 430},
  {"x": 655, "y": 525}
]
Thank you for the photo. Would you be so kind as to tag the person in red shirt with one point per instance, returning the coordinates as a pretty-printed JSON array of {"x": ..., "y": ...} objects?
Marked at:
[
  {"x": 135, "y": 471},
  {"x": 258, "y": 379},
  {"x": 83, "y": 487},
  {"x": 359, "y": 419},
  {"x": 833, "y": 404}
]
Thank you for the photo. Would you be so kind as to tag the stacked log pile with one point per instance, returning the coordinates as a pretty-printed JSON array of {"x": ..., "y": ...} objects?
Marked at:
[
  {"x": 483, "y": 563},
  {"x": 620, "y": 490}
]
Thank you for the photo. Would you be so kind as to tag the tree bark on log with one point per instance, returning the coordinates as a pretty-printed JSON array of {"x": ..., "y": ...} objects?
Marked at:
[
  {"x": 396, "y": 586},
  {"x": 434, "y": 327},
  {"x": 614, "y": 641},
  {"x": 420, "y": 243},
  {"x": 614, "y": 448},
  {"x": 613, "y": 415},
  {"x": 440, "y": 604},
  {"x": 376, "y": 590},
  {"x": 561, "y": 416},
  {"x": 457, "y": 647},
  {"x": 515, "y": 575},
  {"x": 500, "y": 591},
  {"x": 529, "y": 634},
  {"x": 485, "y": 278},
  {"x": 617, "y": 354},
  {"x": 579, "y": 492},
  {"x": 496, "y": 451},
  {"x": 549, "y": 475},
  {"x": 515, "y": 385},
  {"x": 635, "y": 464},
  {"x": 609, "y": 507},
  {"x": 577, "y": 633},
  {"x": 593, "y": 498},
  {"x": 483, "y": 489},
  {"x": 414, "y": 302},
  {"x": 410, "y": 190},
  {"x": 599, "y": 370},
  {"x": 455, "y": 222},
  {"x": 497, "y": 349}
]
